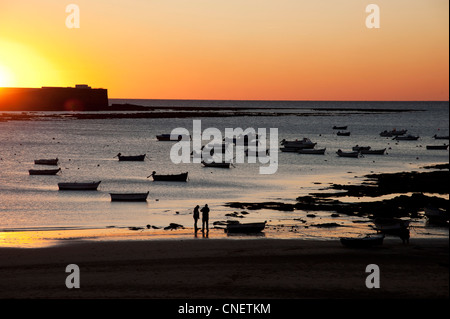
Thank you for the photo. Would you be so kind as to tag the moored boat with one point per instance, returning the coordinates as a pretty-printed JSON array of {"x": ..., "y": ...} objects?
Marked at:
[
  {"x": 89, "y": 186},
  {"x": 408, "y": 137},
  {"x": 166, "y": 137},
  {"x": 318, "y": 151},
  {"x": 44, "y": 171},
  {"x": 52, "y": 161},
  {"x": 360, "y": 148},
  {"x": 437, "y": 147},
  {"x": 390, "y": 225},
  {"x": 373, "y": 152},
  {"x": 436, "y": 137},
  {"x": 339, "y": 127},
  {"x": 363, "y": 242},
  {"x": 245, "y": 228},
  {"x": 129, "y": 197},
  {"x": 394, "y": 132},
  {"x": 347, "y": 154},
  {"x": 169, "y": 178},
  {"x": 132, "y": 158},
  {"x": 339, "y": 133},
  {"x": 299, "y": 144},
  {"x": 216, "y": 164},
  {"x": 437, "y": 216}
]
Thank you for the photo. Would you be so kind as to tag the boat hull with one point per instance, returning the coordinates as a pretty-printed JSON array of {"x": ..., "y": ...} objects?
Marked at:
[
  {"x": 129, "y": 197},
  {"x": 348, "y": 154},
  {"x": 437, "y": 147},
  {"x": 44, "y": 171},
  {"x": 170, "y": 178},
  {"x": 312, "y": 151},
  {"x": 245, "y": 228},
  {"x": 79, "y": 186},
  {"x": 218, "y": 165},
  {"x": 137, "y": 158}
]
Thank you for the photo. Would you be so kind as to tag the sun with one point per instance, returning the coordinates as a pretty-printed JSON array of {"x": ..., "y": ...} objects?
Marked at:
[{"x": 5, "y": 77}]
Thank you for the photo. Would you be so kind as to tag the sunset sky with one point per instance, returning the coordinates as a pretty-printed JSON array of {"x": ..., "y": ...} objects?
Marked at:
[{"x": 233, "y": 49}]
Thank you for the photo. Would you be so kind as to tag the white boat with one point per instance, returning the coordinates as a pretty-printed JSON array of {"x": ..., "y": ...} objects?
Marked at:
[
  {"x": 89, "y": 186},
  {"x": 129, "y": 197},
  {"x": 347, "y": 154},
  {"x": 437, "y": 216},
  {"x": 390, "y": 225}
]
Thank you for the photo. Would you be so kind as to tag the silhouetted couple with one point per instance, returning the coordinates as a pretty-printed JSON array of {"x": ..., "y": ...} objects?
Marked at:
[{"x": 205, "y": 218}]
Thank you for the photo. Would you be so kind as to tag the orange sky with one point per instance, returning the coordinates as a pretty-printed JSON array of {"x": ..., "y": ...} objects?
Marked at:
[{"x": 234, "y": 49}]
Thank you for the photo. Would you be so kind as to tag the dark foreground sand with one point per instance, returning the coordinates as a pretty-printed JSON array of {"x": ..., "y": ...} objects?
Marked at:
[{"x": 223, "y": 268}]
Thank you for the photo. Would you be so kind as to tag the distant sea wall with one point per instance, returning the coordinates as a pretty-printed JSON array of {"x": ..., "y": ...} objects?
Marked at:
[{"x": 78, "y": 98}]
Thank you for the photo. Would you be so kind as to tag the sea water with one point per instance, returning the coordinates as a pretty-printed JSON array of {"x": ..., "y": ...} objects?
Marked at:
[{"x": 87, "y": 149}]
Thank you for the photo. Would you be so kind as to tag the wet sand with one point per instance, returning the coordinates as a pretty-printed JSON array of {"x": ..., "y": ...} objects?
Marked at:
[{"x": 223, "y": 268}]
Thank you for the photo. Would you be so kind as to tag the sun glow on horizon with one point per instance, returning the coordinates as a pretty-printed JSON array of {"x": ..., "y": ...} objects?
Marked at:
[{"x": 241, "y": 50}]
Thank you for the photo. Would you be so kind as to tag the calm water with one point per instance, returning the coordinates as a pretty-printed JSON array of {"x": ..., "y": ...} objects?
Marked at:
[{"x": 86, "y": 149}]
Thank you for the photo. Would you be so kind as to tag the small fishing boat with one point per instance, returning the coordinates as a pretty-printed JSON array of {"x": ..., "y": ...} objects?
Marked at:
[
  {"x": 363, "y": 242},
  {"x": 318, "y": 151},
  {"x": 289, "y": 149},
  {"x": 53, "y": 161},
  {"x": 437, "y": 216},
  {"x": 437, "y": 147},
  {"x": 394, "y": 132},
  {"x": 390, "y": 225},
  {"x": 408, "y": 137},
  {"x": 339, "y": 133},
  {"x": 436, "y": 137},
  {"x": 386, "y": 134},
  {"x": 216, "y": 164},
  {"x": 166, "y": 137},
  {"x": 245, "y": 228},
  {"x": 339, "y": 127},
  {"x": 303, "y": 143},
  {"x": 360, "y": 148},
  {"x": 169, "y": 178},
  {"x": 347, "y": 154},
  {"x": 129, "y": 197},
  {"x": 90, "y": 186},
  {"x": 44, "y": 171},
  {"x": 133, "y": 158},
  {"x": 373, "y": 152}
]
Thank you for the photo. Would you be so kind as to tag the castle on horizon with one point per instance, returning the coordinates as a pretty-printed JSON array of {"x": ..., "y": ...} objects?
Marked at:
[{"x": 79, "y": 98}]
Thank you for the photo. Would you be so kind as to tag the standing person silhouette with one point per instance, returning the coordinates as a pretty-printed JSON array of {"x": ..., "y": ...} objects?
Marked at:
[
  {"x": 196, "y": 217},
  {"x": 205, "y": 219}
]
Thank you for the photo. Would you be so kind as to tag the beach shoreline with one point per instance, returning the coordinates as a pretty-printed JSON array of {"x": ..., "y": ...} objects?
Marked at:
[{"x": 220, "y": 268}]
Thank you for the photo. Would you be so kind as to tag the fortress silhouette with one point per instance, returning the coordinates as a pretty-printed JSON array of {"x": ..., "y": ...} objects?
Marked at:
[{"x": 79, "y": 98}]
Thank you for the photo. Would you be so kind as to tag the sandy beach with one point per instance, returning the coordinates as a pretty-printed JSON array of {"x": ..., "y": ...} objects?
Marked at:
[{"x": 226, "y": 268}]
